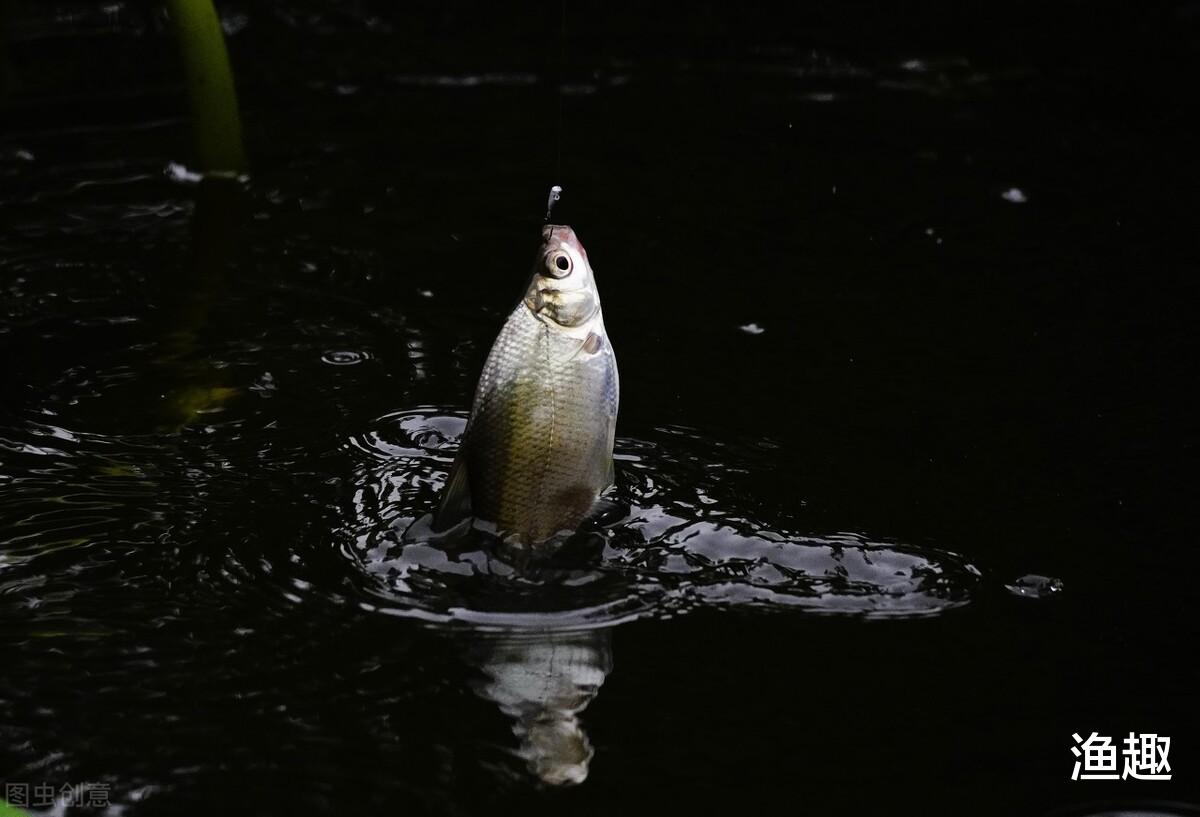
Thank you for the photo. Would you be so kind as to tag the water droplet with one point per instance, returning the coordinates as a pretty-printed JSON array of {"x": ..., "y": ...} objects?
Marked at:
[
  {"x": 344, "y": 357},
  {"x": 264, "y": 385},
  {"x": 177, "y": 172},
  {"x": 1035, "y": 587}
]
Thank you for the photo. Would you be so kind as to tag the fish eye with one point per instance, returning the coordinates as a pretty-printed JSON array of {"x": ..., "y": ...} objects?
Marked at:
[{"x": 558, "y": 265}]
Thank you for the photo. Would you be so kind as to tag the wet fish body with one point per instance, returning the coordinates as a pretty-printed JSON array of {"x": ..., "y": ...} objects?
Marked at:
[{"x": 537, "y": 451}]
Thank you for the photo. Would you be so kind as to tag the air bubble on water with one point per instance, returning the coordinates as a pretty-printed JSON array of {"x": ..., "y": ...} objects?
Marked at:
[
  {"x": 1033, "y": 586},
  {"x": 344, "y": 357}
]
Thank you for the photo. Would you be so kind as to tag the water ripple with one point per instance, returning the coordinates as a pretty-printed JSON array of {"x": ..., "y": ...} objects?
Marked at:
[{"x": 681, "y": 541}]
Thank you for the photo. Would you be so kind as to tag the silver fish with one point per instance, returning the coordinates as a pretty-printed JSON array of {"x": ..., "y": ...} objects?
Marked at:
[{"x": 537, "y": 450}]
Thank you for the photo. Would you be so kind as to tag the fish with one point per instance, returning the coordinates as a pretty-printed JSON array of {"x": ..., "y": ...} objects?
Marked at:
[{"x": 537, "y": 452}]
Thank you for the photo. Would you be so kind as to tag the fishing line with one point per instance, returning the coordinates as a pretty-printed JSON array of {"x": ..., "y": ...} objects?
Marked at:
[
  {"x": 556, "y": 190},
  {"x": 562, "y": 70}
]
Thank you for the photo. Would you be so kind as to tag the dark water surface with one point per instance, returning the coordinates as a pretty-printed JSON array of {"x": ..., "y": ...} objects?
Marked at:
[{"x": 901, "y": 319}]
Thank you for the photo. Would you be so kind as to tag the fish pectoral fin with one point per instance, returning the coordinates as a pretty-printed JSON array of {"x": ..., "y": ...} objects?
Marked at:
[
  {"x": 606, "y": 512},
  {"x": 590, "y": 345},
  {"x": 456, "y": 498}
]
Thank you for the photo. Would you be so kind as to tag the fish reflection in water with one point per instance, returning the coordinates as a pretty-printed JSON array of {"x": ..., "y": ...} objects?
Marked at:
[
  {"x": 687, "y": 538},
  {"x": 543, "y": 681}
]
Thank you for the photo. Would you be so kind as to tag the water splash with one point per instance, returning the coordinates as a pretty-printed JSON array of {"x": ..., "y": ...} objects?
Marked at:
[
  {"x": 1035, "y": 587},
  {"x": 677, "y": 541}
]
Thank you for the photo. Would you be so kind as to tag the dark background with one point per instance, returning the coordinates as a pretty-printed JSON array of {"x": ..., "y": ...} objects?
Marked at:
[{"x": 1011, "y": 381}]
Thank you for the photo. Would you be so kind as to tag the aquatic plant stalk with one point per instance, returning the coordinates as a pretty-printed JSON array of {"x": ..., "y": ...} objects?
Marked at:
[
  {"x": 217, "y": 131},
  {"x": 198, "y": 388},
  {"x": 213, "y": 100}
]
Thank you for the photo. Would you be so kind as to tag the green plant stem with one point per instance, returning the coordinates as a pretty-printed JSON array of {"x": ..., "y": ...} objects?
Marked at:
[{"x": 213, "y": 100}]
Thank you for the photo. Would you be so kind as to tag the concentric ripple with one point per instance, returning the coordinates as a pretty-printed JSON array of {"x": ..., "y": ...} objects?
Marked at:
[{"x": 678, "y": 539}]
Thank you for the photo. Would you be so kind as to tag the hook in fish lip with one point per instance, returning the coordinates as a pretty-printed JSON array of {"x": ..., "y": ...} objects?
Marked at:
[{"x": 561, "y": 235}]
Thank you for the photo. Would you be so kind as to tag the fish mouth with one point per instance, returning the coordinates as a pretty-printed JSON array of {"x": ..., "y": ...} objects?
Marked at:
[
  {"x": 542, "y": 301},
  {"x": 563, "y": 308}
]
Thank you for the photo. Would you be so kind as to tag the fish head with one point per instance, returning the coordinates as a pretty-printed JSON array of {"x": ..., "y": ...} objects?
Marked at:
[{"x": 562, "y": 291}]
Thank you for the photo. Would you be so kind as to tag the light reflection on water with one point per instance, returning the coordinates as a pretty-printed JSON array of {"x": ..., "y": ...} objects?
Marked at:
[
  {"x": 542, "y": 682},
  {"x": 676, "y": 544}
]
